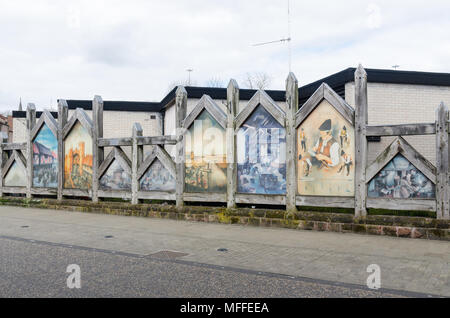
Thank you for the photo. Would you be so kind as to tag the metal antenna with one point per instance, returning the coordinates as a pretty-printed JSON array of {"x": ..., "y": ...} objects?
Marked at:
[
  {"x": 395, "y": 67},
  {"x": 288, "y": 39},
  {"x": 189, "y": 70}
]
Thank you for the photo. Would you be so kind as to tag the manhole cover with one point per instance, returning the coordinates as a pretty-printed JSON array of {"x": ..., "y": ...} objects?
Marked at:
[
  {"x": 109, "y": 236},
  {"x": 222, "y": 250},
  {"x": 25, "y": 226},
  {"x": 168, "y": 254}
]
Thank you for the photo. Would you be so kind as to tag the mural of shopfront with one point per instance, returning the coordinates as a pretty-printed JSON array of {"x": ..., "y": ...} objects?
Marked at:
[
  {"x": 261, "y": 153},
  {"x": 206, "y": 168},
  {"x": 45, "y": 159}
]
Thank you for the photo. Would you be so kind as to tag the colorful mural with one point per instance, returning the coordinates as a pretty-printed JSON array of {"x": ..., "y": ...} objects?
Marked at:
[
  {"x": 15, "y": 177},
  {"x": 261, "y": 153},
  {"x": 326, "y": 152},
  {"x": 206, "y": 156},
  {"x": 401, "y": 180},
  {"x": 157, "y": 178},
  {"x": 115, "y": 178},
  {"x": 78, "y": 159},
  {"x": 45, "y": 159}
]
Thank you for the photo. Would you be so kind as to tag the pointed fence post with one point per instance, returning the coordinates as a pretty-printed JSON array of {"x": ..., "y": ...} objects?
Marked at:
[
  {"x": 1, "y": 169},
  {"x": 31, "y": 122},
  {"x": 291, "y": 110},
  {"x": 233, "y": 109},
  {"x": 138, "y": 154},
  {"x": 180, "y": 156},
  {"x": 442, "y": 162},
  {"x": 63, "y": 114},
  {"x": 98, "y": 153},
  {"x": 361, "y": 121}
]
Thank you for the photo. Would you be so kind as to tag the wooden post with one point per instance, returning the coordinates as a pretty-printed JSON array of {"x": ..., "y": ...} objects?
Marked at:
[
  {"x": 138, "y": 154},
  {"x": 442, "y": 162},
  {"x": 232, "y": 110},
  {"x": 361, "y": 121},
  {"x": 291, "y": 110},
  {"x": 63, "y": 114},
  {"x": 31, "y": 122},
  {"x": 98, "y": 153},
  {"x": 180, "y": 156},
  {"x": 1, "y": 169}
]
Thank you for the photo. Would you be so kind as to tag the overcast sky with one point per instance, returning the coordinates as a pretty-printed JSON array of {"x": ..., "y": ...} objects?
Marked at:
[{"x": 133, "y": 50}]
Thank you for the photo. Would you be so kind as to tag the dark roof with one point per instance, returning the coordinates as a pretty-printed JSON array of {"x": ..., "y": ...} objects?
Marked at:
[
  {"x": 23, "y": 114},
  {"x": 336, "y": 82}
]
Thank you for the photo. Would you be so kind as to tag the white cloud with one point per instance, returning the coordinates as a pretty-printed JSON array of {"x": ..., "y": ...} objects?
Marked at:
[{"x": 132, "y": 50}]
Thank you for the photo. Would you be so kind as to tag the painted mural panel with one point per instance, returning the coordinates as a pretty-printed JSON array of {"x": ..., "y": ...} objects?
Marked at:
[
  {"x": 115, "y": 178},
  {"x": 206, "y": 168},
  {"x": 326, "y": 152},
  {"x": 78, "y": 159},
  {"x": 401, "y": 180},
  {"x": 15, "y": 177},
  {"x": 261, "y": 153},
  {"x": 157, "y": 178},
  {"x": 45, "y": 159}
]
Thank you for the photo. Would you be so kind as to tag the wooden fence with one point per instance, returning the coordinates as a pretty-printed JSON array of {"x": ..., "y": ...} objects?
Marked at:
[{"x": 92, "y": 164}]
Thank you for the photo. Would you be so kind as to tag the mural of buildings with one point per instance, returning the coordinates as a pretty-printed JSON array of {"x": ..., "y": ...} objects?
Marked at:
[
  {"x": 401, "y": 180},
  {"x": 261, "y": 153},
  {"x": 15, "y": 177},
  {"x": 326, "y": 152},
  {"x": 157, "y": 178},
  {"x": 115, "y": 178},
  {"x": 78, "y": 159},
  {"x": 206, "y": 156},
  {"x": 45, "y": 159}
]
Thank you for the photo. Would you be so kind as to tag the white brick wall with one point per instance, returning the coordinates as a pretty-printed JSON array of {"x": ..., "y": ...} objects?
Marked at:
[{"x": 391, "y": 104}]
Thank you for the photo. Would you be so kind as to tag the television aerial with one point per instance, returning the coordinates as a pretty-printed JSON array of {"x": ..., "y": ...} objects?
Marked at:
[{"x": 283, "y": 40}]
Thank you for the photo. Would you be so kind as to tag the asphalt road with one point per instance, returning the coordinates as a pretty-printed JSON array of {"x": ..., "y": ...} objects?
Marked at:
[{"x": 30, "y": 268}]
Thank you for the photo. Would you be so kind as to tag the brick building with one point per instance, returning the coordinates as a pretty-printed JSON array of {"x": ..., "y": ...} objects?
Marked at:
[{"x": 395, "y": 97}]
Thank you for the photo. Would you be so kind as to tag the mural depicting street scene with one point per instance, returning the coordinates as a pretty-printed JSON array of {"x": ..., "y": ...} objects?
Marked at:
[
  {"x": 157, "y": 178},
  {"x": 326, "y": 152},
  {"x": 206, "y": 156},
  {"x": 45, "y": 159},
  {"x": 401, "y": 180},
  {"x": 15, "y": 177},
  {"x": 78, "y": 159},
  {"x": 261, "y": 153},
  {"x": 115, "y": 178}
]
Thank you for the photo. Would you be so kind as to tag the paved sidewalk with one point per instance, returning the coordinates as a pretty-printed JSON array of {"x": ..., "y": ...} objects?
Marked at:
[{"x": 410, "y": 265}]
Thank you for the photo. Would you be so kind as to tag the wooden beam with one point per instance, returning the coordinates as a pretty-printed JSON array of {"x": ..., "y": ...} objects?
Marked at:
[
  {"x": 402, "y": 130},
  {"x": 63, "y": 113},
  {"x": 361, "y": 120},
  {"x": 14, "y": 146},
  {"x": 31, "y": 122},
  {"x": 98, "y": 152},
  {"x": 330, "y": 202},
  {"x": 180, "y": 115},
  {"x": 402, "y": 204},
  {"x": 291, "y": 152},
  {"x": 157, "y": 140},
  {"x": 232, "y": 110},
  {"x": 442, "y": 163},
  {"x": 115, "y": 142},
  {"x": 136, "y": 161}
]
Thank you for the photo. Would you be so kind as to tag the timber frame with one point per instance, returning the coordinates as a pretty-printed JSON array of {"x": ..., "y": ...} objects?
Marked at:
[
  {"x": 205, "y": 103},
  {"x": 260, "y": 98},
  {"x": 232, "y": 120},
  {"x": 324, "y": 92}
]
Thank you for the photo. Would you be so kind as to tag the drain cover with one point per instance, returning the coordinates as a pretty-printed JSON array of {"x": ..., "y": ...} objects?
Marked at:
[
  {"x": 109, "y": 236},
  {"x": 24, "y": 226},
  {"x": 168, "y": 254},
  {"x": 222, "y": 250}
]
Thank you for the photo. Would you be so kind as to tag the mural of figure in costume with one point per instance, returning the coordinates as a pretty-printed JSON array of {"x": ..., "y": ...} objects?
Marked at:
[
  {"x": 326, "y": 152},
  {"x": 115, "y": 178}
]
